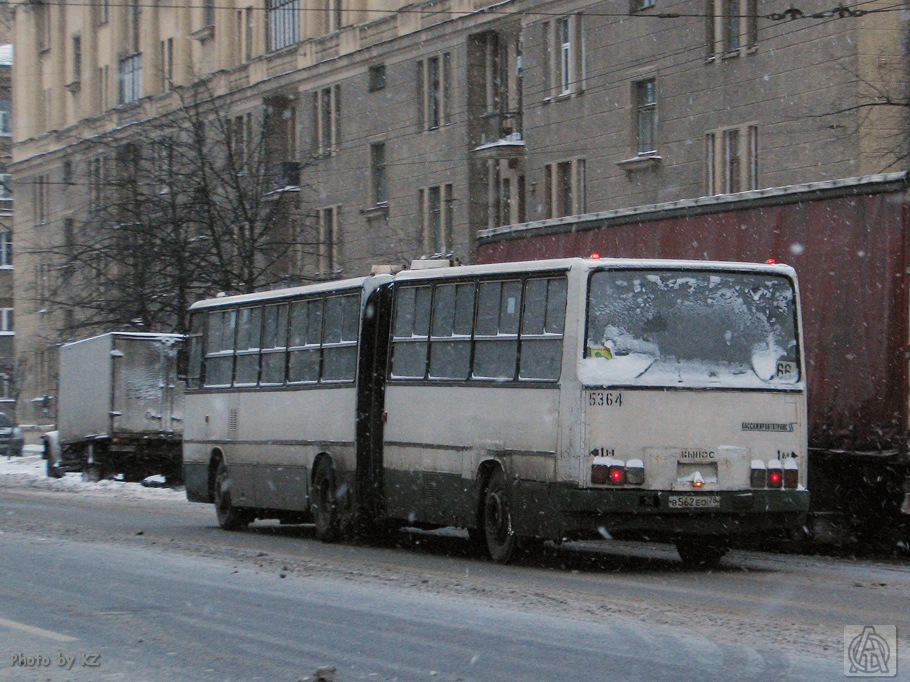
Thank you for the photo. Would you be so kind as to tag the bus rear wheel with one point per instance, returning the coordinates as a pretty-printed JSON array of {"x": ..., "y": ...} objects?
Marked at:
[
  {"x": 229, "y": 516},
  {"x": 701, "y": 552},
  {"x": 325, "y": 502},
  {"x": 497, "y": 519}
]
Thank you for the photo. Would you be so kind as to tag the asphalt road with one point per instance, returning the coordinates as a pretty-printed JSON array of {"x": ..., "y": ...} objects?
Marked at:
[{"x": 119, "y": 589}]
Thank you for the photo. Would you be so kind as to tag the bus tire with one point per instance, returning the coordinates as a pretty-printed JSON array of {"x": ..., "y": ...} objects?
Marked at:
[
  {"x": 701, "y": 552},
  {"x": 229, "y": 516},
  {"x": 497, "y": 519},
  {"x": 325, "y": 502}
]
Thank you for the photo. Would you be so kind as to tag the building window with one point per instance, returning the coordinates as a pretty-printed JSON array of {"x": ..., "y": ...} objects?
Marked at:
[
  {"x": 6, "y": 186},
  {"x": 564, "y": 57},
  {"x": 208, "y": 12},
  {"x": 333, "y": 15},
  {"x": 131, "y": 78},
  {"x": 283, "y": 23},
  {"x": 167, "y": 64},
  {"x": 377, "y": 77},
  {"x": 327, "y": 119},
  {"x": 507, "y": 193},
  {"x": 6, "y": 249},
  {"x": 329, "y": 235},
  {"x": 104, "y": 97},
  {"x": 6, "y": 321},
  {"x": 77, "y": 59},
  {"x": 380, "y": 194},
  {"x": 435, "y": 216},
  {"x": 96, "y": 180},
  {"x": 731, "y": 160},
  {"x": 638, "y": 5},
  {"x": 42, "y": 25},
  {"x": 646, "y": 116},
  {"x": 6, "y": 118},
  {"x": 564, "y": 188},
  {"x": 248, "y": 34},
  {"x": 102, "y": 12},
  {"x": 434, "y": 91},
  {"x": 40, "y": 200},
  {"x": 731, "y": 26}
]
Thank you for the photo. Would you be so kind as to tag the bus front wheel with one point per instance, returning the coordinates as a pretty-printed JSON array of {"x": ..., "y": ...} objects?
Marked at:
[
  {"x": 497, "y": 519},
  {"x": 325, "y": 502},
  {"x": 229, "y": 516}
]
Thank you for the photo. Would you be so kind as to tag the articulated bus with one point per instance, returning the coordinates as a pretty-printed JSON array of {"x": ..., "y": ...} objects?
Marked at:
[{"x": 547, "y": 400}]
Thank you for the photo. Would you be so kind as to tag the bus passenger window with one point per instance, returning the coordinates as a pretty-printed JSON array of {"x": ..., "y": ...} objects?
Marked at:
[
  {"x": 219, "y": 361},
  {"x": 450, "y": 348},
  {"x": 339, "y": 338},
  {"x": 249, "y": 328},
  {"x": 496, "y": 339},
  {"x": 542, "y": 329},
  {"x": 304, "y": 341},
  {"x": 274, "y": 343},
  {"x": 410, "y": 333}
]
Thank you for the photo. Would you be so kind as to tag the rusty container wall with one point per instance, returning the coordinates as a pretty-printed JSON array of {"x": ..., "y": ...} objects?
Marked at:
[{"x": 850, "y": 252}]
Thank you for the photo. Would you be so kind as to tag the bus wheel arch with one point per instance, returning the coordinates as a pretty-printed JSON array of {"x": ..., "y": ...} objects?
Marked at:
[
  {"x": 324, "y": 498},
  {"x": 230, "y": 517},
  {"x": 495, "y": 513}
]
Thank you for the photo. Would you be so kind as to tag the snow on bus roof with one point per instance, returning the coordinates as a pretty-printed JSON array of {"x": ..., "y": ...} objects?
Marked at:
[{"x": 508, "y": 268}]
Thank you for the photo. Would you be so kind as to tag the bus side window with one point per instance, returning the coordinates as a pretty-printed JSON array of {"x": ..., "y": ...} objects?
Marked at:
[
  {"x": 410, "y": 333},
  {"x": 339, "y": 338},
  {"x": 496, "y": 332},
  {"x": 219, "y": 357},
  {"x": 274, "y": 343},
  {"x": 542, "y": 329},
  {"x": 304, "y": 341},
  {"x": 249, "y": 330},
  {"x": 450, "y": 345},
  {"x": 194, "y": 351}
]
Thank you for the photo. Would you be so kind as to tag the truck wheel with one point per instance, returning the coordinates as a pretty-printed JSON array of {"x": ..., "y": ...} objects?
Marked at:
[
  {"x": 497, "y": 519},
  {"x": 701, "y": 552},
  {"x": 93, "y": 473},
  {"x": 52, "y": 470},
  {"x": 229, "y": 516},
  {"x": 325, "y": 502}
]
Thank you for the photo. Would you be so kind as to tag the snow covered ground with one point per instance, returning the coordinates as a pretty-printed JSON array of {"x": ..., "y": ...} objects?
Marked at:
[{"x": 29, "y": 471}]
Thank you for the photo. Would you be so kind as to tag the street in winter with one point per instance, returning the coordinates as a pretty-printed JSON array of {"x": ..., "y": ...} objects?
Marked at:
[{"x": 120, "y": 581}]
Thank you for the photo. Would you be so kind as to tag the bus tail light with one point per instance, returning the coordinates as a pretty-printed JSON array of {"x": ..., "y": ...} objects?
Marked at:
[
  {"x": 600, "y": 474},
  {"x": 617, "y": 475},
  {"x": 791, "y": 474},
  {"x": 610, "y": 471},
  {"x": 635, "y": 472},
  {"x": 758, "y": 478},
  {"x": 775, "y": 474}
]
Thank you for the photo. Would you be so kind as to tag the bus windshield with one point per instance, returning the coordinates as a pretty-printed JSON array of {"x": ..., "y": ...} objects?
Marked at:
[{"x": 690, "y": 327}]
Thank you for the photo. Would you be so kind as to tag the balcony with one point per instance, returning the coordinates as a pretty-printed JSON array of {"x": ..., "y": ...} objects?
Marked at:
[{"x": 502, "y": 137}]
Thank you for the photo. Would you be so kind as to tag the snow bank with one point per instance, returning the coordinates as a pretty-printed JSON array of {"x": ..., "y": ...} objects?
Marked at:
[{"x": 29, "y": 471}]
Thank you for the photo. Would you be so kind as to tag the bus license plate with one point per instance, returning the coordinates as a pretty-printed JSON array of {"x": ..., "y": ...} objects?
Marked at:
[{"x": 694, "y": 502}]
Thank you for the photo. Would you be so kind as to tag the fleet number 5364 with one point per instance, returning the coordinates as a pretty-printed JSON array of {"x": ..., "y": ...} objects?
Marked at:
[{"x": 604, "y": 399}]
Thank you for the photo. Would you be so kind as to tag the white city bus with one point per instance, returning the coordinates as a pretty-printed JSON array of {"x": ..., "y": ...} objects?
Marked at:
[{"x": 546, "y": 400}]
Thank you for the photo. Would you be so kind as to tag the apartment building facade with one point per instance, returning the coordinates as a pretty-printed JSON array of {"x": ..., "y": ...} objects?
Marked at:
[{"x": 405, "y": 129}]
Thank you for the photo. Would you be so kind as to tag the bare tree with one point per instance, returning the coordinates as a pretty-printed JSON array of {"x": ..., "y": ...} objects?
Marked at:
[{"x": 193, "y": 204}]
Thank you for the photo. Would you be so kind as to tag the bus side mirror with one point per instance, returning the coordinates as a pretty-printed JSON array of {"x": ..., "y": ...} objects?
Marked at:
[{"x": 183, "y": 362}]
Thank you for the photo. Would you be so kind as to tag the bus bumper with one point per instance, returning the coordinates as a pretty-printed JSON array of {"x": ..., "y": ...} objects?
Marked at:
[{"x": 575, "y": 514}]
